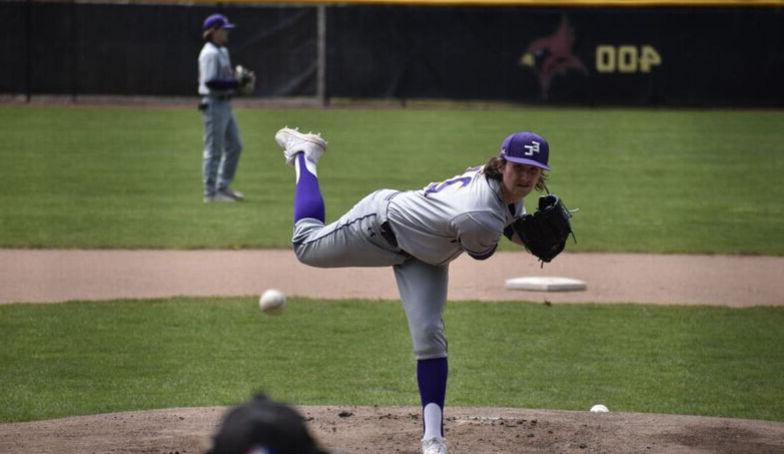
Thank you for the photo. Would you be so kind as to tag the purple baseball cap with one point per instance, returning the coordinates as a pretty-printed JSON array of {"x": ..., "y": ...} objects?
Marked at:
[
  {"x": 217, "y": 21},
  {"x": 526, "y": 148}
]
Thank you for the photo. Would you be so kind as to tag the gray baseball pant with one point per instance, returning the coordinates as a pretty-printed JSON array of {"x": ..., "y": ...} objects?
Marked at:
[
  {"x": 356, "y": 239},
  {"x": 222, "y": 145}
]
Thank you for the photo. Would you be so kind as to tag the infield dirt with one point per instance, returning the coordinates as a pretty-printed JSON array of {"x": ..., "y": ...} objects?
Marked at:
[{"x": 61, "y": 275}]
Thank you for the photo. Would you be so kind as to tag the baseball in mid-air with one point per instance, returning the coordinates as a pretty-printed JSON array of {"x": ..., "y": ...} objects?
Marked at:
[
  {"x": 599, "y": 408},
  {"x": 272, "y": 302}
]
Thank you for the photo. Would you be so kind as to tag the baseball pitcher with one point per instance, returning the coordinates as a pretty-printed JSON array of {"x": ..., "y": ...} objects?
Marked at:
[{"x": 419, "y": 232}]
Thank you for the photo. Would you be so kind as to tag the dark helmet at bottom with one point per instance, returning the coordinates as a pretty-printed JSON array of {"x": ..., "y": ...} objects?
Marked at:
[{"x": 263, "y": 426}]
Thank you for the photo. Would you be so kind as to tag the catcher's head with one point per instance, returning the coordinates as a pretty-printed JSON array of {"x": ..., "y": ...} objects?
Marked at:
[
  {"x": 526, "y": 148},
  {"x": 213, "y": 23},
  {"x": 263, "y": 426}
]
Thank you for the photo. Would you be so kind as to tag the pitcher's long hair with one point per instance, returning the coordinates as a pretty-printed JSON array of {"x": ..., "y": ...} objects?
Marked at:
[{"x": 493, "y": 170}]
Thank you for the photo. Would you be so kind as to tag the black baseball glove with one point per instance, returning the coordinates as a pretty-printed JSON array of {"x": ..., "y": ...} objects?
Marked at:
[{"x": 545, "y": 232}]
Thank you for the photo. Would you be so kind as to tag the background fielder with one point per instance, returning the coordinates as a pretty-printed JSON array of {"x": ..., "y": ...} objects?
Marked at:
[
  {"x": 217, "y": 84},
  {"x": 418, "y": 233}
]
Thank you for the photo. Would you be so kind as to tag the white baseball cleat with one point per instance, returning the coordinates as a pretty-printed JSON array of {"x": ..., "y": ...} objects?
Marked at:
[
  {"x": 435, "y": 445},
  {"x": 293, "y": 142}
]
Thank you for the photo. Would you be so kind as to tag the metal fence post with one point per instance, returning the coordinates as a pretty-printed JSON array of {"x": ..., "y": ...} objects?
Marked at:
[
  {"x": 28, "y": 50},
  {"x": 321, "y": 72}
]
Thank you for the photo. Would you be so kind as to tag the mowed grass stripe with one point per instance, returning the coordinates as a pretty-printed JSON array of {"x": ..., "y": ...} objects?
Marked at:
[
  {"x": 96, "y": 357},
  {"x": 667, "y": 181}
]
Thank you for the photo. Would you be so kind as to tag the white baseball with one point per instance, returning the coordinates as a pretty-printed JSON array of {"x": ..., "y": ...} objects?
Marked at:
[
  {"x": 272, "y": 302},
  {"x": 599, "y": 408}
]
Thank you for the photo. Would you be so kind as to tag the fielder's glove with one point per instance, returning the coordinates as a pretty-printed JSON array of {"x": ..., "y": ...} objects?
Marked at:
[
  {"x": 545, "y": 232},
  {"x": 246, "y": 79}
]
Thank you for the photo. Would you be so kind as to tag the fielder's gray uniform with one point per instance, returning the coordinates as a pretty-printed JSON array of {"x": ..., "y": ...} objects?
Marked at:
[
  {"x": 418, "y": 233},
  {"x": 222, "y": 142}
]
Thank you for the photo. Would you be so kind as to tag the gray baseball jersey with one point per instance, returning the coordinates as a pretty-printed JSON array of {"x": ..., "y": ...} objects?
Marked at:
[
  {"x": 214, "y": 64},
  {"x": 464, "y": 213},
  {"x": 430, "y": 227}
]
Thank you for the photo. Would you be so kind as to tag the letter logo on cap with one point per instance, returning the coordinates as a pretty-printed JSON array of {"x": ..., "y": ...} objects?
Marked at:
[{"x": 531, "y": 148}]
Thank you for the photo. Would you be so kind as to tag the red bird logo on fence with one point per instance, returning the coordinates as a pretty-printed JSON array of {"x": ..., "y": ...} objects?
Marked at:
[{"x": 552, "y": 56}]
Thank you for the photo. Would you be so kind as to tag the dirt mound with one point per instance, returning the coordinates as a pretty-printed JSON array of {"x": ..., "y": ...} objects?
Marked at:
[{"x": 346, "y": 430}]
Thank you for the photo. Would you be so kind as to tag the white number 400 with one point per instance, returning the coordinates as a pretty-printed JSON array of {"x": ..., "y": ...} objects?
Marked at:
[{"x": 626, "y": 58}]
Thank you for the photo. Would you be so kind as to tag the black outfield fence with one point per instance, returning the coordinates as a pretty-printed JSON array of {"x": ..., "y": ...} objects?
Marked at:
[
  {"x": 637, "y": 56},
  {"x": 646, "y": 56},
  {"x": 145, "y": 49}
]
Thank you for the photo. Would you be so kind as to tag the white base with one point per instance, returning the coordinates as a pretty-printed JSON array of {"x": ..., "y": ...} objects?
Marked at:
[{"x": 545, "y": 284}]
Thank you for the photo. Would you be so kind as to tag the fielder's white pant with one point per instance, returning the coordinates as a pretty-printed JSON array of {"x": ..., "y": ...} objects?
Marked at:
[{"x": 356, "y": 240}]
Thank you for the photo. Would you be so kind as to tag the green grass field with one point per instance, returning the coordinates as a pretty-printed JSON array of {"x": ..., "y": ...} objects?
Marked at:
[
  {"x": 85, "y": 358},
  {"x": 664, "y": 181},
  {"x": 645, "y": 180}
]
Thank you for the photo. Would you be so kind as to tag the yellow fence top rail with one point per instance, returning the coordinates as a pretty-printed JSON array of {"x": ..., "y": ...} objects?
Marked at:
[{"x": 542, "y": 3}]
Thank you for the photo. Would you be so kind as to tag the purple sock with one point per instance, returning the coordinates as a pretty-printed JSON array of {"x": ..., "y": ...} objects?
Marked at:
[
  {"x": 308, "y": 202},
  {"x": 431, "y": 375}
]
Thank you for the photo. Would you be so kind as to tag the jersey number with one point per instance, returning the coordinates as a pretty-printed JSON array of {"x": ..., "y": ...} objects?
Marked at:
[{"x": 437, "y": 187}]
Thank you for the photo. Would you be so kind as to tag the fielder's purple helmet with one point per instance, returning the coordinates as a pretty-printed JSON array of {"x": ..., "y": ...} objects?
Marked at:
[{"x": 526, "y": 148}]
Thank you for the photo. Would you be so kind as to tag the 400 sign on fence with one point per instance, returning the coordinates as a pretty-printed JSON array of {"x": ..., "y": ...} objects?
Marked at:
[{"x": 626, "y": 58}]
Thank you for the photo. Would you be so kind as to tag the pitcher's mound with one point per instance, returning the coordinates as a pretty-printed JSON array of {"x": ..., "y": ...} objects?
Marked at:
[{"x": 382, "y": 430}]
